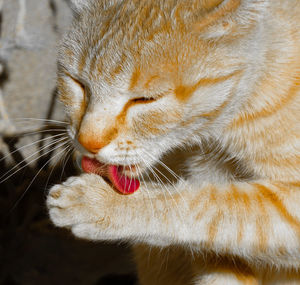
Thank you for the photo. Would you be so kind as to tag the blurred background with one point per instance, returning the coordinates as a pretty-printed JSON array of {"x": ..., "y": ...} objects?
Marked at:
[{"x": 32, "y": 250}]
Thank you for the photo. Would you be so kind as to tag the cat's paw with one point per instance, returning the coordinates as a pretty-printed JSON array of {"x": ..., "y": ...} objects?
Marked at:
[{"x": 83, "y": 204}]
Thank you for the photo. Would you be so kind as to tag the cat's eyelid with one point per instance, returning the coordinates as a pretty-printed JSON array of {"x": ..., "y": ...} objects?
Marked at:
[
  {"x": 144, "y": 99},
  {"x": 75, "y": 79},
  {"x": 147, "y": 98},
  {"x": 78, "y": 87},
  {"x": 152, "y": 95}
]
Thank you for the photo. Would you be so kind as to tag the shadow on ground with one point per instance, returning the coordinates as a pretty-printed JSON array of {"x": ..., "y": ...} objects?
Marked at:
[{"x": 32, "y": 250}]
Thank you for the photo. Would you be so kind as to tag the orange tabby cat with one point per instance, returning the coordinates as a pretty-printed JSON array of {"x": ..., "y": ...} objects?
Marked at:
[{"x": 219, "y": 81}]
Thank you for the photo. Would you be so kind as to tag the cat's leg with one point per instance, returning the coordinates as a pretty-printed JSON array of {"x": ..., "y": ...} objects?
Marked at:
[
  {"x": 277, "y": 277},
  {"x": 225, "y": 278},
  {"x": 163, "y": 266},
  {"x": 210, "y": 269},
  {"x": 259, "y": 221},
  {"x": 177, "y": 266}
]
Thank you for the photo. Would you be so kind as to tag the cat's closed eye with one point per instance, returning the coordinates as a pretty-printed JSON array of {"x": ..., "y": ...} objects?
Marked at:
[
  {"x": 144, "y": 100},
  {"x": 80, "y": 86}
]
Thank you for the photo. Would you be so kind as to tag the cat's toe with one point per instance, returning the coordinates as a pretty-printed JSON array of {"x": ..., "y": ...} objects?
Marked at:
[
  {"x": 67, "y": 211},
  {"x": 59, "y": 218},
  {"x": 64, "y": 204},
  {"x": 99, "y": 229},
  {"x": 62, "y": 196},
  {"x": 86, "y": 231},
  {"x": 81, "y": 206},
  {"x": 53, "y": 198}
]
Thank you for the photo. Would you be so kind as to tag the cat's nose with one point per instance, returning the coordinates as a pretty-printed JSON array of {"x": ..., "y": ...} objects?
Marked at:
[{"x": 90, "y": 143}]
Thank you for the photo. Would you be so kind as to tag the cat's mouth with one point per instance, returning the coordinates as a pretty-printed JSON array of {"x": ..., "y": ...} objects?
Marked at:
[{"x": 116, "y": 174}]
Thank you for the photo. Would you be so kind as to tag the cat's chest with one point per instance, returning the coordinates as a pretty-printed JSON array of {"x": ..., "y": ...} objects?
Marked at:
[
  {"x": 218, "y": 167},
  {"x": 206, "y": 163}
]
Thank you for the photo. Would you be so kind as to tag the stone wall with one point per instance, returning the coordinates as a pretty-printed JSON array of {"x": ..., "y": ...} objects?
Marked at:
[{"x": 30, "y": 32}]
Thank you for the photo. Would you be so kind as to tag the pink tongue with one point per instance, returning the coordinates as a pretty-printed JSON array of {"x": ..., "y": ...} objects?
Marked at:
[{"x": 122, "y": 183}]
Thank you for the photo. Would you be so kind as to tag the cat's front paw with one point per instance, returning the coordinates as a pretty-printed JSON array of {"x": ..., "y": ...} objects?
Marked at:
[{"x": 81, "y": 204}]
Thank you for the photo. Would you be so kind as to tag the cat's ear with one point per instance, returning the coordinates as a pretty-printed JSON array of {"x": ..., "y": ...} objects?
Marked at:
[{"x": 229, "y": 17}]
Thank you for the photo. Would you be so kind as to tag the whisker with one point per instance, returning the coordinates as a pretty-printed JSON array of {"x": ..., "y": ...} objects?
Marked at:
[
  {"x": 164, "y": 165},
  {"x": 66, "y": 158},
  {"x": 39, "y": 120},
  {"x": 68, "y": 149},
  {"x": 130, "y": 170},
  {"x": 25, "y": 191},
  {"x": 152, "y": 183},
  {"x": 168, "y": 191},
  {"x": 180, "y": 179},
  {"x": 178, "y": 192},
  {"x": 36, "y": 132},
  {"x": 147, "y": 191},
  {"x": 28, "y": 145},
  {"x": 50, "y": 144},
  {"x": 125, "y": 159},
  {"x": 160, "y": 183}
]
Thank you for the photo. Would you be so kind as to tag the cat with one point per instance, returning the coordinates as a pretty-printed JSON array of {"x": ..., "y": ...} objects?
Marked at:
[{"x": 217, "y": 81}]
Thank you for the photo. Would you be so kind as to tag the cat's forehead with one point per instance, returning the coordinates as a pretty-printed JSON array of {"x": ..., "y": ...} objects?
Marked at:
[
  {"x": 113, "y": 60},
  {"x": 130, "y": 25},
  {"x": 141, "y": 45},
  {"x": 111, "y": 33}
]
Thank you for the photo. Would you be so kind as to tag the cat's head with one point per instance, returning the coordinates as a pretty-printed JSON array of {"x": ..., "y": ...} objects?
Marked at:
[{"x": 141, "y": 77}]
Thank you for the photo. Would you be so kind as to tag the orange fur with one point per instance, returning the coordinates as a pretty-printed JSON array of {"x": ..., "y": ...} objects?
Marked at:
[{"x": 217, "y": 83}]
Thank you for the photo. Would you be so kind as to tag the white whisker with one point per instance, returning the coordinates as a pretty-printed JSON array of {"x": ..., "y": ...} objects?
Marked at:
[
  {"x": 68, "y": 149},
  {"x": 130, "y": 170},
  {"x": 25, "y": 191},
  {"x": 165, "y": 166},
  {"x": 50, "y": 144},
  {"x": 152, "y": 183},
  {"x": 169, "y": 181},
  {"x": 170, "y": 171},
  {"x": 66, "y": 158},
  {"x": 38, "y": 131},
  {"x": 147, "y": 191},
  {"x": 39, "y": 120},
  {"x": 159, "y": 181},
  {"x": 168, "y": 191},
  {"x": 28, "y": 145}
]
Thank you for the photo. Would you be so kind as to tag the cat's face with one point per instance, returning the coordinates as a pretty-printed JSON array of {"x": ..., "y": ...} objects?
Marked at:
[{"x": 139, "y": 78}]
